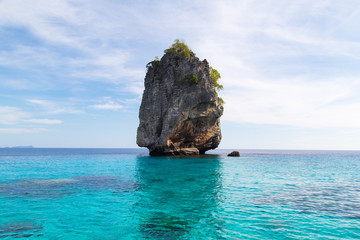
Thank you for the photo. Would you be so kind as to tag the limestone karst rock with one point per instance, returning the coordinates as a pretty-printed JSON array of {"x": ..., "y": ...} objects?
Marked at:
[{"x": 180, "y": 110}]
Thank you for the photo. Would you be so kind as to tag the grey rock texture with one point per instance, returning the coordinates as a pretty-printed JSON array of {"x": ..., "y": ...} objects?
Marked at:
[{"x": 180, "y": 112}]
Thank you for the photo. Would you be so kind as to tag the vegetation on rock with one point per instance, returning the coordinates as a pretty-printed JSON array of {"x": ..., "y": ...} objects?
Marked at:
[
  {"x": 179, "y": 48},
  {"x": 154, "y": 63},
  {"x": 194, "y": 79},
  {"x": 215, "y": 76},
  {"x": 190, "y": 80},
  {"x": 159, "y": 126},
  {"x": 221, "y": 100}
]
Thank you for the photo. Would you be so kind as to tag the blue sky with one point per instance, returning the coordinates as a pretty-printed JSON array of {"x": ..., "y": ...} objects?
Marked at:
[{"x": 71, "y": 72}]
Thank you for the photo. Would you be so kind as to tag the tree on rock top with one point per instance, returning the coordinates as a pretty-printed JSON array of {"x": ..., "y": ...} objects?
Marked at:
[{"x": 179, "y": 48}]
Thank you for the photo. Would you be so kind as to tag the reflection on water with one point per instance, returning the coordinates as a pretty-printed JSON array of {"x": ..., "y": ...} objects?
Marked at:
[
  {"x": 165, "y": 226},
  {"x": 181, "y": 196}
]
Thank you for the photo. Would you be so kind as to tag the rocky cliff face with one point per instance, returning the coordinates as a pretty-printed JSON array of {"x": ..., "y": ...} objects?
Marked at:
[{"x": 180, "y": 111}]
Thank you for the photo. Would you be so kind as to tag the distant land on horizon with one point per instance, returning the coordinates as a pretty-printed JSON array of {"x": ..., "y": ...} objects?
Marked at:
[{"x": 20, "y": 147}]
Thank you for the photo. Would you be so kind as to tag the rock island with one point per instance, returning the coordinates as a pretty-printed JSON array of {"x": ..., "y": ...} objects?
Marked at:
[{"x": 180, "y": 109}]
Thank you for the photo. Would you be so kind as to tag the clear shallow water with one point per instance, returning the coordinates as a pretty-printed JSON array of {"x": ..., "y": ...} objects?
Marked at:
[{"x": 124, "y": 194}]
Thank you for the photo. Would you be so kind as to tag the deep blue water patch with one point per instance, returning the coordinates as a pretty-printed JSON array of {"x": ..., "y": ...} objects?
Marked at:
[
  {"x": 20, "y": 230},
  {"x": 60, "y": 187}
]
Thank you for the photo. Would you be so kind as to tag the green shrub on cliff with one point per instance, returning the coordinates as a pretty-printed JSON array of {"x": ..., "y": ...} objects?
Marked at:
[
  {"x": 159, "y": 126},
  {"x": 154, "y": 63},
  {"x": 221, "y": 100},
  {"x": 215, "y": 76},
  {"x": 194, "y": 80},
  {"x": 189, "y": 79},
  {"x": 179, "y": 48}
]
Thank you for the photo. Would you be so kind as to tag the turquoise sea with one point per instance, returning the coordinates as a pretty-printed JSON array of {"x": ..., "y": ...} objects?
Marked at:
[{"x": 125, "y": 194}]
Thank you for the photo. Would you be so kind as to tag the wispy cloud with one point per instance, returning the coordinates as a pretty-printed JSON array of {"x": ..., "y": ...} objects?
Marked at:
[
  {"x": 43, "y": 121},
  {"x": 280, "y": 63},
  {"x": 283, "y": 64},
  {"x": 295, "y": 103},
  {"x": 15, "y": 116},
  {"x": 87, "y": 35},
  {"x": 107, "y": 104},
  {"x": 18, "y": 84},
  {"x": 11, "y": 115},
  {"x": 22, "y": 130},
  {"x": 108, "y": 66},
  {"x": 43, "y": 103},
  {"x": 51, "y": 107}
]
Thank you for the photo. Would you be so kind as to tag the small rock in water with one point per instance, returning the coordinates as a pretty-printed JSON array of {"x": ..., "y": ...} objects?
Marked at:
[{"x": 234, "y": 154}]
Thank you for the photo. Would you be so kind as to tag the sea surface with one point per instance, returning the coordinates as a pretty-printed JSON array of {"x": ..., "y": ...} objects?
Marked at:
[{"x": 125, "y": 194}]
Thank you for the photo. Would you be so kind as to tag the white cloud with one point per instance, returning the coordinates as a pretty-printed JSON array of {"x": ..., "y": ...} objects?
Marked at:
[
  {"x": 14, "y": 116},
  {"x": 89, "y": 32},
  {"x": 16, "y": 84},
  {"x": 22, "y": 130},
  {"x": 109, "y": 67},
  {"x": 55, "y": 108},
  {"x": 33, "y": 15},
  {"x": 287, "y": 63},
  {"x": 11, "y": 115},
  {"x": 43, "y": 103},
  {"x": 66, "y": 110},
  {"x": 295, "y": 103},
  {"x": 107, "y": 104},
  {"x": 43, "y": 121}
]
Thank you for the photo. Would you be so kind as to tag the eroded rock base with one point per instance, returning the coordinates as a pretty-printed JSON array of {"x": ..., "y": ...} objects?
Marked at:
[{"x": 174, "y": 152}]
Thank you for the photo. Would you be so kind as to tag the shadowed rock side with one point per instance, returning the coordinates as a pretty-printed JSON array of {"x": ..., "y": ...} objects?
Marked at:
[{"x": 180, "y": 111}]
